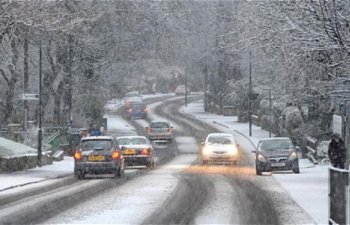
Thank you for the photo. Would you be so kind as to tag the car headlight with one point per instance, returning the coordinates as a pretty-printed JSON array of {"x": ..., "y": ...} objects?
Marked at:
[
  {"x": 261, "y": 158},
  {"x": 232, "y": 149},
  {"x": 206, "y": 150},
  {"x": 293, "y": 155}
]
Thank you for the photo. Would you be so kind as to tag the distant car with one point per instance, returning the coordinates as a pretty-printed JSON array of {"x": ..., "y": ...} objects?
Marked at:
[
  {"x": 159, "y": 130},
  {"x": 181, "y": 90},
  {"x": 137, "y": 150},
  {"x": 98, "y": 155},
  {"x": 219, "y": 148},
  {"x": 132, "y": 100},
  {"x": 276, "y": 154},
  {"x": 136, "y": 110},
  {"x": 132, "y": 94}
]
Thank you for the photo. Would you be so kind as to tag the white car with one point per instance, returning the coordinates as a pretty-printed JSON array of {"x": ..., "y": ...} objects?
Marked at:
[{"x": 219, "y": 147}]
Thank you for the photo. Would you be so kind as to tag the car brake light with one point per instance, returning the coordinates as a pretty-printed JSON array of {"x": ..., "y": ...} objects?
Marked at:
[
  {"x": 149, "y": 130},
  {"x": 77, "y": 155},
  {"x": 129, "y": 110},
  {"x": 146, "y": 110},
  {"x": 145, "y": 151},
  {"x": 170, "y": 130},
  {"x": 115, "y": 155}
]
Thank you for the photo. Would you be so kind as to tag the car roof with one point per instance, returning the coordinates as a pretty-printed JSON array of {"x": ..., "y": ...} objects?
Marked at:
[
  {"x": 275, "y": 138},
  {"x": 160, "y": 121},
  {"x": 136, "y": 136},
  {"x": 219, "y": 134},
  {"x": 97, "y": 137},
  {"x": 134, "y": 98}
]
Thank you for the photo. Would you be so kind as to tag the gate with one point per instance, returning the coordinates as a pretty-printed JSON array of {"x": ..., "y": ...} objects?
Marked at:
[{"x": 338, "y": 197}]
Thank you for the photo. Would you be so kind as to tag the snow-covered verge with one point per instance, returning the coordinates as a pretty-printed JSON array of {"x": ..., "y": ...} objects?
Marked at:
[{"x": 309, "y": 189}]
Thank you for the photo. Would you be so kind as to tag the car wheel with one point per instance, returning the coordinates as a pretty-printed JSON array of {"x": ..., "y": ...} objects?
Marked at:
[
  {"x": 258, "y": 172},
  {"x": 79, "y": 175},
  {"x": 150, "y": 165},
  {"x": 234, "y": 163},
  {"x": 296, "y": 170},
  {"x": 119, "y": 173}
]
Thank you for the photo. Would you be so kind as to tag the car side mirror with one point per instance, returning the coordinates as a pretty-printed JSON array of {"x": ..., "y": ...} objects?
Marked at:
[
  {"x": 123, "y": 148},
  {"x": 146, "y": 128},
  {"x": 298, "y": 148}
]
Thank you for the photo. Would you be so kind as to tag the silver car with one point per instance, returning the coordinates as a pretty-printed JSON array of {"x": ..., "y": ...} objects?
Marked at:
[
  {"x": 159, "y": 130},
  {"x": 275, "y": 154},
  {"x": 137, "y": 150}
]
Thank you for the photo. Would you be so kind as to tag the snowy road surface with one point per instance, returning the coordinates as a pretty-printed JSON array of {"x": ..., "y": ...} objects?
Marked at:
[{"x": 183, "y": 191}]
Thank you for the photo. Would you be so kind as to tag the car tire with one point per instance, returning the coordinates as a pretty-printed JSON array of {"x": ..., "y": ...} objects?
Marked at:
[
  {"x": 119, "y": 173},
  {"x": 150, "y": 165},
  {"x": 258, "y": 172},
  {"x": 296, "y": 170},
  {"x": 234, "y": 163},
  {"x": 79, "y": 175}
]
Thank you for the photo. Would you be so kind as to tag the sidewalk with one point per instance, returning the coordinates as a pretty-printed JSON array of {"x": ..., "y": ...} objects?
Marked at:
[{"x": 309, "y": 189}]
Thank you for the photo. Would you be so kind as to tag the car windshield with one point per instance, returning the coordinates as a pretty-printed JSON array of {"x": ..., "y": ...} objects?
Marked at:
[
  {"x": 96, "y": 144},
  {"x": 225, "y": 140},
  {"x": 159, "y": 125},
  {"x": 132, "y": 141},
  {"x": 270, "y": 145}
]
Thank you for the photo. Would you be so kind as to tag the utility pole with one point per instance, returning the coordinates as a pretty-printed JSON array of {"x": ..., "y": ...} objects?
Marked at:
[
  {"x": 25, "y": 78},
  {"x": 70, "y": 103},
  {"x": 186, "y": 87},
  {"x": 270, "y": 106},
  {"x": 250, "y": 94},
  {"x": 40, "y": 107}
]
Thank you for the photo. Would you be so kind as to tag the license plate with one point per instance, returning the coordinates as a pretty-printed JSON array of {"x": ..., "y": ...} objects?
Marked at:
[
  {"x": 277, "y": 164},
  {"x": 129, "y": 152},
  {"x": 96, "y": 157}
]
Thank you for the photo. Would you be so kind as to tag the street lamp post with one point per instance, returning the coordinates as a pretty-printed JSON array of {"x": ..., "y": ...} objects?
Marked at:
[
  {"x": 250, "y": 94},
  {"x": 185, "y": 87},
  {"x": 40, "y": 108}
]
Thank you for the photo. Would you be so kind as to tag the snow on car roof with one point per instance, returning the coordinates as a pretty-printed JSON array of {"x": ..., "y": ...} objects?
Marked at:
[
  {"x": 96, "y": 137},
  {"x": 135, "y": 136},
  {"x": 220, "y": 134},
  {"x": 275, "y": 138}
]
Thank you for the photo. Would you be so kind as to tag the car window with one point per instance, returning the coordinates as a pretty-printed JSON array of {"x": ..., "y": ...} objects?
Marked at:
[
  {"x": 269, "y": 145},
  {"x": 220, "y": 140},
  {"x": 160, "y": 125},
  {"x": 96, "y": 144}
]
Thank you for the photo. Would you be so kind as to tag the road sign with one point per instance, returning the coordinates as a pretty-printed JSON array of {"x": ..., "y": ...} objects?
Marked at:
[{"x": 30, "y": 96}]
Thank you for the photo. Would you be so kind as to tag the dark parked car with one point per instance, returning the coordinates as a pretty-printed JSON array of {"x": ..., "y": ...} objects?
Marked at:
[
  {"x": 98, "y": 155},
  {"x": 276, "y": 154}
]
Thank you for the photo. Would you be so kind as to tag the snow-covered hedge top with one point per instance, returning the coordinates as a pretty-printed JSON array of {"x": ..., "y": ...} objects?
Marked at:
[{"x": 12, "y": 148}]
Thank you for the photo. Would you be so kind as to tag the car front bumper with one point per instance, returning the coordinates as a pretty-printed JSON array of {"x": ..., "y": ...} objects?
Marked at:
[
  {"x": 267, "y": 166},
  {"x": 223, "y": 157}
]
